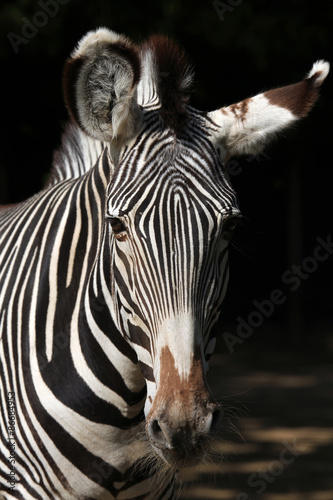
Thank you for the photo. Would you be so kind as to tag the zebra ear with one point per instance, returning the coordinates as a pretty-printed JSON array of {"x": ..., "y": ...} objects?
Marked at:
[
  {"x": 246, "y": 127},
  {"x": 100, "y": 81}
]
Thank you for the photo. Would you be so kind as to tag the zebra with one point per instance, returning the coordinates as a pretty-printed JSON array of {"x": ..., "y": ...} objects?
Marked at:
[{"x": 112, "y": 277}]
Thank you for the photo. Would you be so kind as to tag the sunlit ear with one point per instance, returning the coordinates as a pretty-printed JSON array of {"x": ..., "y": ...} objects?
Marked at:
[
  {"x": 100, "y": 81},
  {"x": 246, "y": 127}
]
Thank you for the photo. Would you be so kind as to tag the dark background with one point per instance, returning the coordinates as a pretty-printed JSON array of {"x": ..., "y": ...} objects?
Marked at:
[{"x": 238, "y": 48}]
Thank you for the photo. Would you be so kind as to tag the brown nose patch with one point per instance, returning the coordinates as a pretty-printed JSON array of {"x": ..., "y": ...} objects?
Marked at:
[{"x": 180, "y": 400}]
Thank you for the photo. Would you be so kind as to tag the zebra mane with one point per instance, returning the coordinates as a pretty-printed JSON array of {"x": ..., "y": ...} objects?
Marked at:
[
  {"x": 75, "y": 156},
  {"x": 167, "y": 66}
]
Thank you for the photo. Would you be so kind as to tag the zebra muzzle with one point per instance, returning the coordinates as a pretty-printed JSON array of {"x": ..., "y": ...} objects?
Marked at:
[
  {"x": 183, "y": 414},
  {"x": 181, "y": 438}
]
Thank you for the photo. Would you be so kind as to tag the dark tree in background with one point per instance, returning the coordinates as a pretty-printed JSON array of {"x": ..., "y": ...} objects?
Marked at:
[{"x": 238, "y": 48}]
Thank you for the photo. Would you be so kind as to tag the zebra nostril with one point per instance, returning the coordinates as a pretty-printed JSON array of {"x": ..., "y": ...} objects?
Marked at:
[
  {"x": 165, "y": 436},
  {"x": 157, "y": 434}
]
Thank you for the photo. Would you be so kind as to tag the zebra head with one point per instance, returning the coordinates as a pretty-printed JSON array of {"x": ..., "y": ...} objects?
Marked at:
[{"x": 170, "y": 213}]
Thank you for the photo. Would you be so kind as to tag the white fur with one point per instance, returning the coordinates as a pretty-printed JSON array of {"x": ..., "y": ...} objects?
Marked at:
[
  {"x": 87, "y": 44},
  {"x": 321, "y": 67},
  {"x": 249, "y": 135}
]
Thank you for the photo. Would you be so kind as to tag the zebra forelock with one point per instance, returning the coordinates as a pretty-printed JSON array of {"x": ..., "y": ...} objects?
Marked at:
[{"x": 166, "y": 68}]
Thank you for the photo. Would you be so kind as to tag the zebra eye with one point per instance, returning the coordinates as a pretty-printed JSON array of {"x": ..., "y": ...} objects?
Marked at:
[
  {"x": 119, "y": 230},
  {"x": 228, "y": 227}
]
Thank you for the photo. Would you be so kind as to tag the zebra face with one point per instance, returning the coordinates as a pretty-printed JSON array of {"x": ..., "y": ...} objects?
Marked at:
[{"x": 170, "y": 212}]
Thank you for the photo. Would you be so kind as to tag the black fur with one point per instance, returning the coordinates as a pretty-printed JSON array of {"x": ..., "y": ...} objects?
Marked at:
[{"x": 175, "y": 76}]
